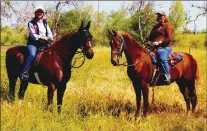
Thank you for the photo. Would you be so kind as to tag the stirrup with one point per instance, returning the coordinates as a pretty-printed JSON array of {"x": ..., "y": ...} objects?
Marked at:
[
  {"x": 167, "y": 80},
  {"x": 155, "y": 77},
  {"x": 25, "y": 76}
]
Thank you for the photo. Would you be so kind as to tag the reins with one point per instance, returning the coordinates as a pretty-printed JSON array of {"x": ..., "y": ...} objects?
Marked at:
[
  {"x": 124, "y": 64},
  {"x": 81, "y": 54}
]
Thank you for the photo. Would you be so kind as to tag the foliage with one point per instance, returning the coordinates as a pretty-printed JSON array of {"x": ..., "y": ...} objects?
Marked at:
[
  {"x": 190, "y": 40},
  {"x": 142, "y": 23},
  {"x": 14, "y": 35},
  {"x": 116, "y": 20},
  {"x": 71, "y": 20},
  {"x": 187, "y": 31},
  {"x": 138, "y": 24},
  {"x": 98, "y": 29},
  {"x": 177, "y": 15}
]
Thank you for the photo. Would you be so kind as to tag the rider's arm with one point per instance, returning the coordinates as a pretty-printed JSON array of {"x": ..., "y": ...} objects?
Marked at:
[
  {"x": 32, "y": 32},
  {"x": 168, "y": 36},
  {"x": 151, "y": 37},
  {"x": 49, "y": 32}
]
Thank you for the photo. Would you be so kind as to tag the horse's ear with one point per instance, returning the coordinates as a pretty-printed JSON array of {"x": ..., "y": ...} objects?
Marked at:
[
  {"x": 114, "y": 32},
  {"x": 88, "y": 25},
  {"x": 110, "y": 32},
  {"x": 81, "y": 26}
]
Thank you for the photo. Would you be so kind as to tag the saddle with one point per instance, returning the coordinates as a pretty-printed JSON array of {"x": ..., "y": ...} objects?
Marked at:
[
  {"x": 173, "y": 59},
  {"x": 40, "y": 48}
]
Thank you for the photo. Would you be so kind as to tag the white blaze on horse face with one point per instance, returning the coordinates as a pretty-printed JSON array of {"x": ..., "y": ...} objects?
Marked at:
[{"x": 89, "y": 44}]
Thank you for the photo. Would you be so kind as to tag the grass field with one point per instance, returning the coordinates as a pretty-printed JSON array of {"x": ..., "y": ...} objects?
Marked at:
[{"x": 100, "y": 97}]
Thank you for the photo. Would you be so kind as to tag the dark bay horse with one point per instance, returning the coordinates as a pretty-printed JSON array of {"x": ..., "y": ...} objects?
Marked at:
[
  {"x": 53, "y": 65},
  {"x": 140, "y": 71}
]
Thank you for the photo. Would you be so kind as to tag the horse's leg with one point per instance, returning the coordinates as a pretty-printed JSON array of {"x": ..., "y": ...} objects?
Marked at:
[
  {"x": 145, "y": 91},
  {"x": 22, "y": 89},
  {"x": 137, "y": 89},
  {"x": 192, "y": 94},
  {"x": 50, "y": 93},
  {"x": 60, "y": 92},
  {"x": 12, "y": 84},
  {"x": 183, "y": 89}
]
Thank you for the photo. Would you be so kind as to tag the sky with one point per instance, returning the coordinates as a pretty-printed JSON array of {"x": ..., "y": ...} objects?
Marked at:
[{"x": 108, "y": 6}]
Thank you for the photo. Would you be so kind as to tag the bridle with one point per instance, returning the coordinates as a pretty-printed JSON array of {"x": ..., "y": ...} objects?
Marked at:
[
  {"x": 119, "y": 53},
  {"x": 81, "y": 53}
]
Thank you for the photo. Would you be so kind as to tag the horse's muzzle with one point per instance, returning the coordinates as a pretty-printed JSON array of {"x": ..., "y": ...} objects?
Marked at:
[
  {"x": 115, "y": 62},
  {"x": 90, "y": 55}
]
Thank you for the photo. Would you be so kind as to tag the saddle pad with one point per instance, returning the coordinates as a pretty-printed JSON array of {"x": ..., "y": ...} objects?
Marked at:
[
  {"x": 174, "y": 58},
  {"x": 175, "y": 55}
]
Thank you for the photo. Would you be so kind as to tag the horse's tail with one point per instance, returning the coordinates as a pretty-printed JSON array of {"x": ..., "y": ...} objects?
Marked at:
[
  {"x": 197, "y": 76},
  {"x": 13, "y": 60},
  {"x": 8, "y": 61}
]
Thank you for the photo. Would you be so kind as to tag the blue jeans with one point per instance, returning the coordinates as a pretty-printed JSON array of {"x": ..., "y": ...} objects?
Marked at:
[
  {"x": 162, "y": 55},
  {"x": 32, "y": 53}
]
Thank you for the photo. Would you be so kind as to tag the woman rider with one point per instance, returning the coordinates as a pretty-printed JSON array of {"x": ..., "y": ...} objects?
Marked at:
[
  {"x": 161, "y": 37},
  {"x": 38, "y": 31}
]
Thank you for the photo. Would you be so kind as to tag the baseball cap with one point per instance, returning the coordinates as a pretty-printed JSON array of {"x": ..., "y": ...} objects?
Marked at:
[{"x": 161, "y": 13}]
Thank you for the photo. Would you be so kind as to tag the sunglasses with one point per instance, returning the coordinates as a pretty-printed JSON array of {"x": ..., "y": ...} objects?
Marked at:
[{"x": 39, "y": 11}]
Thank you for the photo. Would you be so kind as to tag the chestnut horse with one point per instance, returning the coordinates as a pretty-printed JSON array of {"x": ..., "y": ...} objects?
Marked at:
[
  {"x": 52, "y": 65},
  {"x": 140, "y": 70}
]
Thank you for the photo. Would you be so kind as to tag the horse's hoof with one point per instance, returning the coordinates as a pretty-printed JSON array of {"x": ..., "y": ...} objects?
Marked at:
[
  {"x": 188, "y": 114},
  {"x": 20, "y": 102}
]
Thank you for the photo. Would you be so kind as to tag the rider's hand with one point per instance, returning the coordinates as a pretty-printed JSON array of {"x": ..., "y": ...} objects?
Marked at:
[
  {"x": 50, "y": 39},
  {"x": 44, "y": 38},
  {"x": 155, "y": 43},
  {"x": 149, "y": 42}
]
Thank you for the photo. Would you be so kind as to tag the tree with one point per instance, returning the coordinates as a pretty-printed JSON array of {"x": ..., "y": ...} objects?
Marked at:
[
  {"x": 177, "y": 15},
  {"x": 142, "y": 20},
  {"x": 203, "y": 11},
  {"x": 13, "y": 35},
  {"x": 55, "y": 12},
  {"x": 68, "y": 22},
  {"x": 98, "y": 29},
  {"x": 116, "y": 20}
]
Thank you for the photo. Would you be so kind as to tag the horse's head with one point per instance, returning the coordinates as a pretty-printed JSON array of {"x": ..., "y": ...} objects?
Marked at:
[
  {"x": 85, "y": 40},
  {"x": 116, "y": 43}
]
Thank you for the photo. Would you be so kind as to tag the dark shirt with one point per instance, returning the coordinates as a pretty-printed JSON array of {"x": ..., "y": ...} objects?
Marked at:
[{"x": 162, "y": 32}]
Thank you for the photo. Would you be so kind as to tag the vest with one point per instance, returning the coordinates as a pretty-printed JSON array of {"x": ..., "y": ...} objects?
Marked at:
[{"x": 36, "y": 28}]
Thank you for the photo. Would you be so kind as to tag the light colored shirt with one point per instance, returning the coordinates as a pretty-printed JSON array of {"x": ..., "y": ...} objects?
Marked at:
[{"x": 42, "y": 30}]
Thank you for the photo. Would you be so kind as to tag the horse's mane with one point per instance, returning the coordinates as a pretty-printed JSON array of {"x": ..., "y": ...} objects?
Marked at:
[
  {"x": 136, "y": 44},
  {"x": 69, "y": 34},
  {"x": 130, "y": 38}
]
